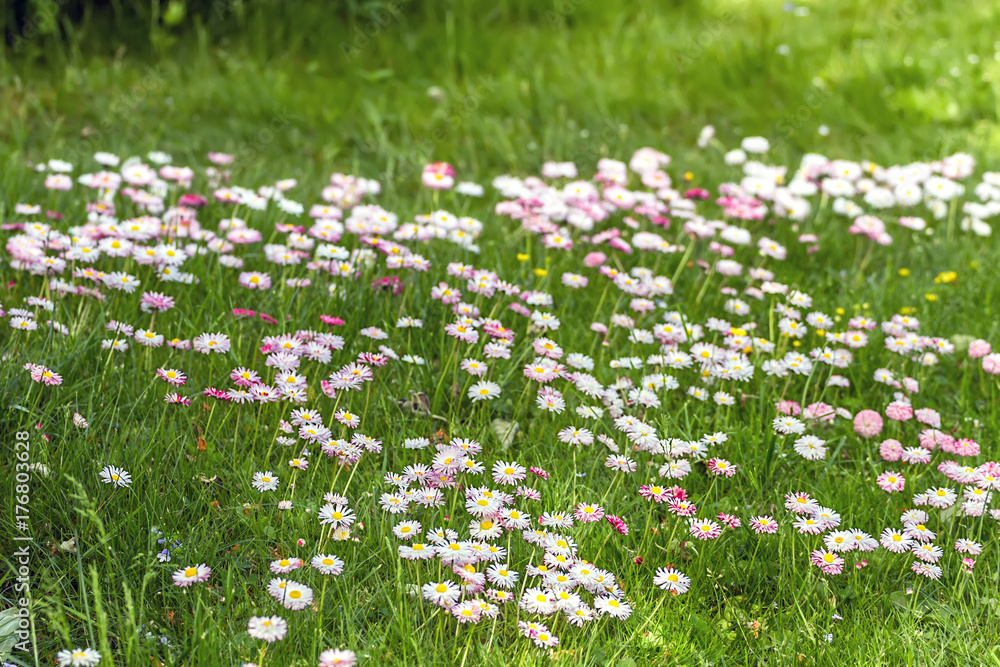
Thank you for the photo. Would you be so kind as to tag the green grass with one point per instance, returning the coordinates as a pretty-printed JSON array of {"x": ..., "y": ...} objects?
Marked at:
[{"x": 520, "y": 83}]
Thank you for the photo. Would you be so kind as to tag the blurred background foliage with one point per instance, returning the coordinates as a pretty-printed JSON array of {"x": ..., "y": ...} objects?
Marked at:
[{"x": 381, "y": 86}]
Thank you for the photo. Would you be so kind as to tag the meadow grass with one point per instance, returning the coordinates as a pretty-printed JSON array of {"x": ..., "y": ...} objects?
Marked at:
[{"x": 519, "y": 84}]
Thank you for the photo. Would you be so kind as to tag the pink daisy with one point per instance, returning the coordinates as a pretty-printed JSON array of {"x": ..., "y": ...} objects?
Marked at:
[
  {"x": 828, "y": 562},
  {"x": 890, "y": 450},
  {"x": 899, "y": 411},
  {"x": 763, "y": 524},
  {"x": 721, "y": 467},
  {"x": 171, "y": 376},
  {"x": 255, "y": 280},
  {"x": 704, "y": 529},
  {"x": 617, "y": 523},
  {"x": 868, "y": 423},
  {"x": 891, "y": 482},
  {"x": 991, "y": 363},
  {"x": 979, "y": 348}
]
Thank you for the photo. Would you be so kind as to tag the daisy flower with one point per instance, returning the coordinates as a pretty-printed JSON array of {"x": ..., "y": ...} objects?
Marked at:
[
  {"x": 929, "y": 553},
  {"x": 484, "y": 390},
  {"x": 443, "y": 594},
  {"x": 336, "y": 515},
  {"x": 255, "y": 280},
  {"x": 508, "y": 473},
  {"x": 347, "y": 418},
  {"x": 171, "y": 376},
  {"x": 285, "y": 565},
  {"x": 721, "y": 467},
  {"x": 406, "y": 530},
  {"x": 919, "y": 532},
  {"x": 868, "y": 423},
  {"x": 620, "y": 464},
  {"x": 891, "y": 482},
  {"x": 655, "y": 493},
  {"x": 681, "y": 507},
  {"x": 839, "y": 541},
  {"x": 147, "y": 338},
  {"x": 545, "y": 640},
  {"x": 800, "y": 503},
  {"x": 926, "y": 569},
  {"x": 895, "y": 541},
  {"x": 474, "y": 367},
  {"x": 216, "y": 342},
  {"x": 78, "y": 657},
  {"x": 941, "y": 497},
  {"x": 763, "y": 524},
  {"x": 192, "y": 575},
  {"x": 328, "y": 564},
  {"x": 268, "y": 628},
  {"x": 829, "y": 563},
  {"x": 613, "y": 607},
  {"x": 968, "y": 547},
  {"x": 617, "y": 523},
  {"x": 116, "y": 476},
  {"x": 810, "y": 448},
  {"x": 416, "y": 551},
  {"x": 337, "y": 657},
  {"x": 297, "y": 596},
  {"x": 827, "y": 518},
  {"x": 502, "y": 576},
  {"x": 672, "y": 581},
  {"x": 788, "y": 426},
  {"x": 264, "y": 481},
  {"x": 704, "y": 529},
  {"x": 808, "y": 525}
]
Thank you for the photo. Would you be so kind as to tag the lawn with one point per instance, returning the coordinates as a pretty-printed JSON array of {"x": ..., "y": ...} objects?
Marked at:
[{"x": 351, "y": 347}]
